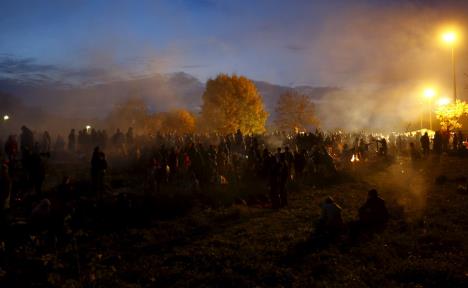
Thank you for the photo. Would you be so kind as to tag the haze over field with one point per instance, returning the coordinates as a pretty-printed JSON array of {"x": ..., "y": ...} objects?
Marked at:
[{"x": 363, "y": 60}]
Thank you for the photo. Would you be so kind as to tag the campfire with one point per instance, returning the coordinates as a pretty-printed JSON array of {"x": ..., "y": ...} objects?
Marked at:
[{"x": 355, "y": 158}]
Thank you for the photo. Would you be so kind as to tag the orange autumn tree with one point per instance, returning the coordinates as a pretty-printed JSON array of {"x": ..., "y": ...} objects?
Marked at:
[
  {"x": 295, "y": 112},
  {"x": 231, "y": 103},
  {"x": 178, "y": 121}
]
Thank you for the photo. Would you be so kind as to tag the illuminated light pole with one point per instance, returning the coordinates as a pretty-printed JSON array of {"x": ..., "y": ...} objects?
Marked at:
[
  {"x": 429, "y": 93},
  {"x": 4, "y": 123},
  {"x": 450, "y": 37}
]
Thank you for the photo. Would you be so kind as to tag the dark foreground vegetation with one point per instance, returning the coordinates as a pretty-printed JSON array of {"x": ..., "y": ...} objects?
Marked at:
[{"x": 177, "y": 239}]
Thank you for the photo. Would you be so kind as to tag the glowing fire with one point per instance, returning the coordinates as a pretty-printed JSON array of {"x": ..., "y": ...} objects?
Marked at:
[{"x": 355, "y": 158}]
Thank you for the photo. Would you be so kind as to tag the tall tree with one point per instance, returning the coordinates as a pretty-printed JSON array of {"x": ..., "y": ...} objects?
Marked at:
[
  {"x": 231, "y": 103},
  {"x": 295, "y": 112}
]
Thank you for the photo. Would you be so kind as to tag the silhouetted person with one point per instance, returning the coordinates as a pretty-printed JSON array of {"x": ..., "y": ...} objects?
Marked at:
[
  {"x": 373, "y": 214},
  {"x": 37, "y": 172},
  {"x": 129, "y": 136},
  {"x": 40, "y": 214},
  {"x": 239, "y": 137},
  {"x": 5, "y": 188},
  {"x": 282, "y": 178},
  {"x": 289, "y": 159},
  {"x": 46, "y": 141},
  {"x": 363, "y": 149},
  {"x": 437, "y": 146},
  {"x": 11, "y": 148},
  {"x": 461, "y": 139},
  {"x": 72, "y": 141},
  {"x": 383, "y": 147},
  {"x": 274, "y": 171},
  {"x": 299, "y": 163},
  {"x": 59, "y": 144},
  {"x": 98, "y": 171},
  {"x": 62, "y": 204},
  {"x": 27, "y": 141},
  {"x": 118, "y": 140},
  {"x": 457, "y": 142},
  {"x": 425, "y": 142},
  {"x": 445, "y": 140},
  {"x": 330, "y": 221}
]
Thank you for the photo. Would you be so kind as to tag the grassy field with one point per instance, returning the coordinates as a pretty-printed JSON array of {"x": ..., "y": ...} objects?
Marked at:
[{"x": 240, "y": 245}]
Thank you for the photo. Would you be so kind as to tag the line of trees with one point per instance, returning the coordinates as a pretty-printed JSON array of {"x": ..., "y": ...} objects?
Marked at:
[{"x": 230, "y": 102}]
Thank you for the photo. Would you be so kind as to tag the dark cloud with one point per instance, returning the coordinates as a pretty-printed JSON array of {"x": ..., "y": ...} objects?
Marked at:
[
  {"x": 193, "y": 66},
  {"x": 295, "y": 48},
  {"x": 14, "y": 65},
  {"x": 27, "y": 69},
  {"x": 86, "y": 73}
]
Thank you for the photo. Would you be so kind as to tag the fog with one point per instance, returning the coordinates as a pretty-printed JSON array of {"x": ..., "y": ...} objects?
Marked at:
[
  {"x": 379, "y": 56},
  {"x": 383, "y": 59}
]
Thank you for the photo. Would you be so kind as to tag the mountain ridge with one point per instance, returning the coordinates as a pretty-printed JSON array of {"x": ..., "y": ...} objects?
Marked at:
[{"x": 162, "y": 92}]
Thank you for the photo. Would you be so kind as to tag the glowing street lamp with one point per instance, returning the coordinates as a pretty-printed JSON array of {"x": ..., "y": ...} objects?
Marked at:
[
  {"x": 88, "y": 128},
  {"x": 6, "y": 118},
  {"x": 429, "y": 93},
  {"x": 450, "y": 37}
]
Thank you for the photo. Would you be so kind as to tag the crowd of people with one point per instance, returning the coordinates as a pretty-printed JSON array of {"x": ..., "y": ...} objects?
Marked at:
[{"x": 198, "y": 162}]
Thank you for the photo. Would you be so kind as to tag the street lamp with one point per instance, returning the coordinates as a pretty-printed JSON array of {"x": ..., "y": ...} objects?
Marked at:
[
  {"x": 6, "y": 117},
  {"x": 450, "y": 38},
  {"x": 429, "y": 93}
]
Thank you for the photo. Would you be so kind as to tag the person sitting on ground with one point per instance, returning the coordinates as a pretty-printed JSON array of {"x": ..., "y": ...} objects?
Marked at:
[
  {"x": 40, "y": 213},
  {"x": 330, "y": 219},
  {"x": 373, "y": 214}
]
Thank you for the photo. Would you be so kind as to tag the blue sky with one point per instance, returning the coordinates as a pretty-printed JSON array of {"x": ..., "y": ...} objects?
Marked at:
[{"x": 286, "y": 42}]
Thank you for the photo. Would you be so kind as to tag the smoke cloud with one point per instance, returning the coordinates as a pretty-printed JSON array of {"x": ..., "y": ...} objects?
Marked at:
[{"x": 383, "y": 58}]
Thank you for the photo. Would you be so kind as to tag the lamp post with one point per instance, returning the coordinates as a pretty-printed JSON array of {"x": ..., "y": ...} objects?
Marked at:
[
  {"x": 450, "y": 37},
  {"x": 429, "y": 93},
  {"x": 6, "y": 118}
]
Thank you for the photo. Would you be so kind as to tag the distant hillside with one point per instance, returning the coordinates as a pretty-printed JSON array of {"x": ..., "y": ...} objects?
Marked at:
[{"x": 162, "y": 92}]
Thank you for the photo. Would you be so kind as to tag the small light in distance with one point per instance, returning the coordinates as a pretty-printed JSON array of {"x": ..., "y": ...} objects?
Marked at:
[
  {"x": 443, "y": 101},
  {"x": 6, "y": 117},
  {"x": 88, "y": 127}
]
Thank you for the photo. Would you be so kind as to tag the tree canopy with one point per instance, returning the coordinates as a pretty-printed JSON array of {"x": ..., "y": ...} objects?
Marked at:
[
  {"x": 231, "y": 103},
  {"x": 294, "y": 112},
  {"x": 449, "y": 115}
]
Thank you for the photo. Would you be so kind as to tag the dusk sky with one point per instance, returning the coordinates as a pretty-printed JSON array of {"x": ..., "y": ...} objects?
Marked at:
[{"x": 322, "y": 43}]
